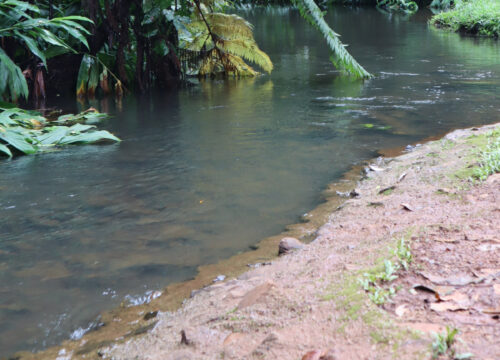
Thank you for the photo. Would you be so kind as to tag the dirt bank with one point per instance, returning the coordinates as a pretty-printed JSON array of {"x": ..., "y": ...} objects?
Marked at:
[{"x": 419, "y": 209}]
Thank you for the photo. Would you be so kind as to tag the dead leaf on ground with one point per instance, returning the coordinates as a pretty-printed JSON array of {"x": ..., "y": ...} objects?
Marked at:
[
  {"x": 487, "y": 272},
  {"x": 403, "y": 175},
  {"x": 401, "y": 310},
  {"x": 312, "y": 355},
  {"x": 492, "y": 311},
  {"x": 233, "y": 337},
  {"x": 375, "y": 168},
  {"x": 457, "y": 297},
  {"x": 446, "y": 306},
  {"x": 459, "y": 280},
  {"x": 407, "y": 207}
]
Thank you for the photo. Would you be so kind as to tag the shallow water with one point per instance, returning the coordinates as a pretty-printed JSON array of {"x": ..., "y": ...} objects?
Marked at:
[{"x": 207, "y": 171}]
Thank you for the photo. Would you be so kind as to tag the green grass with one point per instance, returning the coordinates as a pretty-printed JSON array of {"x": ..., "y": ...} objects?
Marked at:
[
  {"x": 489, "y": 162},
  {"x": 444, "y": 346},
  {"x": 477, "y": 17}
]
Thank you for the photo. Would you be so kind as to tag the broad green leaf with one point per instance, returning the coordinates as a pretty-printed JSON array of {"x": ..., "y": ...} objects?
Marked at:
[
  {"x": 75, "y": 33},
  {"x": 93, "y": 78},
  {"x": 13, "y": 77},
  {"x": 18, "y": 139},
  {"x": 33, "y": 47},
  {"x": 83, "y": 76},
  {"x": 4, "y": 149},
  {"x": 53, "y": 135},
  {"x": 90, "y": 137}
]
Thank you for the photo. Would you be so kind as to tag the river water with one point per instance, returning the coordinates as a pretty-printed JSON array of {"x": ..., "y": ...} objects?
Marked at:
[{"x": 207, "y": 171}]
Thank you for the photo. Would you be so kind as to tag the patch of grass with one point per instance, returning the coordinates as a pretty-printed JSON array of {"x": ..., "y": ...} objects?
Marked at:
[
  {"x": 482, "y": 159},
  {"x": 350, "y": 300},
  {"x": 489, "y": 162},
  {"x": 403, "y": 252},
  {"x": 373, "y": 282},
  {"x": 477, "y": 17},
  {"x": 443, "y": 345}
]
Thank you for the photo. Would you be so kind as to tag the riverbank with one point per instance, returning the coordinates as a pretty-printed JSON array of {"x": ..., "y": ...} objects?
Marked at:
[
  {"x": 313, "y": 300},
  {"x": 479, "y": 17}
]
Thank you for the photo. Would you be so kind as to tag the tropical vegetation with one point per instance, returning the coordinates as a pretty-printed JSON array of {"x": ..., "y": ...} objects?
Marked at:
[
  {"x": 28, "y": 132},
  {"x": 477, "y": 17},
  {"x": 95, "y": 47}
]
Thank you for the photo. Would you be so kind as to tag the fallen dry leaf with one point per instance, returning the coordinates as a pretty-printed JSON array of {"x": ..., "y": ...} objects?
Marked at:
[
  {"x": 457, "y": 297},
  {"x": 446, "y": 306},
  {"x": 492, "y": 311},
  {"x": 312, "y": 355},
  {"x": 403, "y": 175},
  {"x": 452, "y": 280},
  {"x": 233, "y": 337},
  {"x": 407, "y": 207},
  {"x": 401, "y": 310},
  {"x": 375, "y": 168}
]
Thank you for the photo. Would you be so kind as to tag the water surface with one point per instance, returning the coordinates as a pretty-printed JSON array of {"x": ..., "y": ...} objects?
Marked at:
[{"x": 207, "y": 171}]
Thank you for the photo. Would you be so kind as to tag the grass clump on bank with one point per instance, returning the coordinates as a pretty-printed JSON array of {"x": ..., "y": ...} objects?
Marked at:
[
  {"x": 489, "y": 162},
  {"x": 477, "y": 17}
]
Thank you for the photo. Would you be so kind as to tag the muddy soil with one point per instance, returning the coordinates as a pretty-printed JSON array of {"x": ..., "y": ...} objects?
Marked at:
[{"x": 310, "y": 303}]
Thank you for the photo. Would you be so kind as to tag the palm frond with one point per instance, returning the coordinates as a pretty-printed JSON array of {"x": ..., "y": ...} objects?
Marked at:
[{"x": 340, "y": 56}]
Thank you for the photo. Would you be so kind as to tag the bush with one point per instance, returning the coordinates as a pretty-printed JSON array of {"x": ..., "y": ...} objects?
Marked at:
[{"x": 478, "y": 17}]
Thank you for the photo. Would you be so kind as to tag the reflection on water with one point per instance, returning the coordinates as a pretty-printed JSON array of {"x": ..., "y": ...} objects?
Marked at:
[{"x": 207, "y": 171}]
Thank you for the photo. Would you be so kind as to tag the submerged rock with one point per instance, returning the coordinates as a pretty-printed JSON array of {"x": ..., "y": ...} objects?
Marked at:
[{"x": 288, "y": 244}]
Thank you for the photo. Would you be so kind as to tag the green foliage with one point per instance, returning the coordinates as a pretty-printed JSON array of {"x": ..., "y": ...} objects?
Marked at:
[
  {"x": 42, "y": 37},
  {"x": 403, "y": 253},
  {"x": 373, "y": 282},
  {"x": 441, "y": 4},
  {"x": 340, "y": 56},
  {"x": 227, "y": 40},
  {"x": 379, "y": 295},
  {"x": 443, "y": 344},
  {"x": 28, "y": 132},
  {"x": 370, "y": 283},
  {"x": 489, "y": 162},
  {"x": 406, "y": 6},
  {"x": 479, "y": 17}
]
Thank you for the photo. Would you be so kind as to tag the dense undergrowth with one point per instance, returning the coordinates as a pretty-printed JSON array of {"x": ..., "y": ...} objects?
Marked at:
[{"x": 476, "y": 17}]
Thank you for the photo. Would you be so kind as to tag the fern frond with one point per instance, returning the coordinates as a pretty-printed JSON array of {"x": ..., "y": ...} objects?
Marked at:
[
  {"x": 234, "y": 41},
  {"x": 248, "y": 50},
  {"x": 341, "y": 57},
  {"x": 229, "y": 26},
  {"x": 238, "y": 67}
]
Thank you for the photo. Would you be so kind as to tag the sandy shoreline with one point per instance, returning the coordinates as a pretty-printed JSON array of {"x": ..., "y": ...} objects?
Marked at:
[{"x": 311, "y": 300}]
